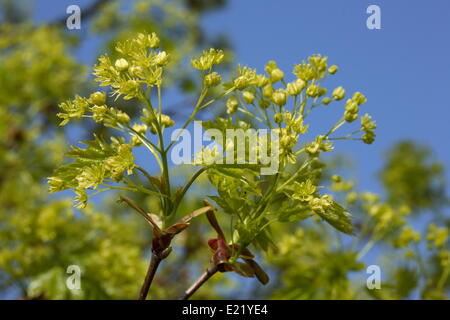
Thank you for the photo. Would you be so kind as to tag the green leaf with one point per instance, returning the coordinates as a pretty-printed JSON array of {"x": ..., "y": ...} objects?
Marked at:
[
  {"x": 93, "y": 164},
  {"x": 294, "y": 213},
  {"x": 97, "y": 150},
  {"x": 223, "y": 204}
]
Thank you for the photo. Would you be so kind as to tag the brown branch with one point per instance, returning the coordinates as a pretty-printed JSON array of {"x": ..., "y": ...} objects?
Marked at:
[
  {"x": 152, "y": 267},
  {"x": 212, "y": 269}
]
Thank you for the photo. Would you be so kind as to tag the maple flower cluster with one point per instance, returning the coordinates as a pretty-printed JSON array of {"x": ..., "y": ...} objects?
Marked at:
[{"x": 251, "y": 101}]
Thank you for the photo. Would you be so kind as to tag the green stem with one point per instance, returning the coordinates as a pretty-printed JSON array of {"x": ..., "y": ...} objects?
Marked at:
[
  {"x": 191, "y": 117},
  {"x": 335, "y": 127},
  {"x": 143, "y": 137},
  {"x": 167, "y": 190},
  {"x": 150, "y": 146},
  {"x": 220, "y": 96},
  {"x": 186, "y": 188},
  {"x": 369, "y": 245},
  {"x": 265, "y": 200},
  {"x": 163, "y": 152},
  {"x": 244, "y": 111}
]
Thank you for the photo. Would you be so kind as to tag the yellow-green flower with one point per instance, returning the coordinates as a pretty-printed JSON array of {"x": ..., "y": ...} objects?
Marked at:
[
  {"x": 313, "y": 91},
  {"x": 232, "y": 104},
  {"x": 98, "y": 98},
  {"x": 359, "y": 98},
  {"x": 338, "y": 93},
  {"x": 213, "y": 79},
  {"x": 208, "y": 59},
  {"x": 279, "y": 97},
  {"x": 333, "y": 69},
  {"x": 248, "y": 96},
  {"x": 121, "y": 64},
  {"x": 276, "y": 75},
  {"x": 295, "y": 87}
]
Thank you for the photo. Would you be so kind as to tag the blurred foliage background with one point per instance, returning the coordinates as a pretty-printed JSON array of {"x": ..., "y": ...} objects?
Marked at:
[{"x": 405, "y": 228}]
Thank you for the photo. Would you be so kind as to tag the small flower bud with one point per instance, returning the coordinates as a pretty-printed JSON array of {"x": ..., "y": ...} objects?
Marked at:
[
  {"x": 267, "y": 91},
  {"x": 98, "y": 98},
  {"x": 279, "y": 97},
  {"x": 352, "y": 197},
  {"x": 232, "y": 104},
  {"x": 368, "y": 137},
  {"x": 294, "y": 88},
  {"x": 312, "y": 148},
  {"x": 367, "y": 124},
  {"x": 278, "y": 117},
  {"x": 213, "y": 79},
  {"x": 350, "y": 117},
  {"x": 135, "y": 141},
  {"x": 121, "y": 64},
  {"x": 166, "y": 121},
  {"x": 123, "y": 118},
  {"x": 208, "y": 59},
  {"x": 240, "y": 83},
  {"x": 326, "y": 101},
  {"x": 333, "y": 69},
  {"x": 336, "y": 178},
  {"x": 261, "y": 81},
  {"x": 276, "y": 75},
  {"x": 316, "y": 163},
  {"x": 322, "y": 91},
  {"x": 99, "y": 113},
  {"x": 140, "y": 128},
  {"x": 287, "y": 142},
  {"x": 338, "y": 93},
  {"x": 162, "y": 58},
  {"x": 359, "y": 98},
  {"x": 270, "y": 66},
  {"x": 351, "y": 106},
  {"x": 248, "y": 97},
  {"x": 313, "y": 91}
]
